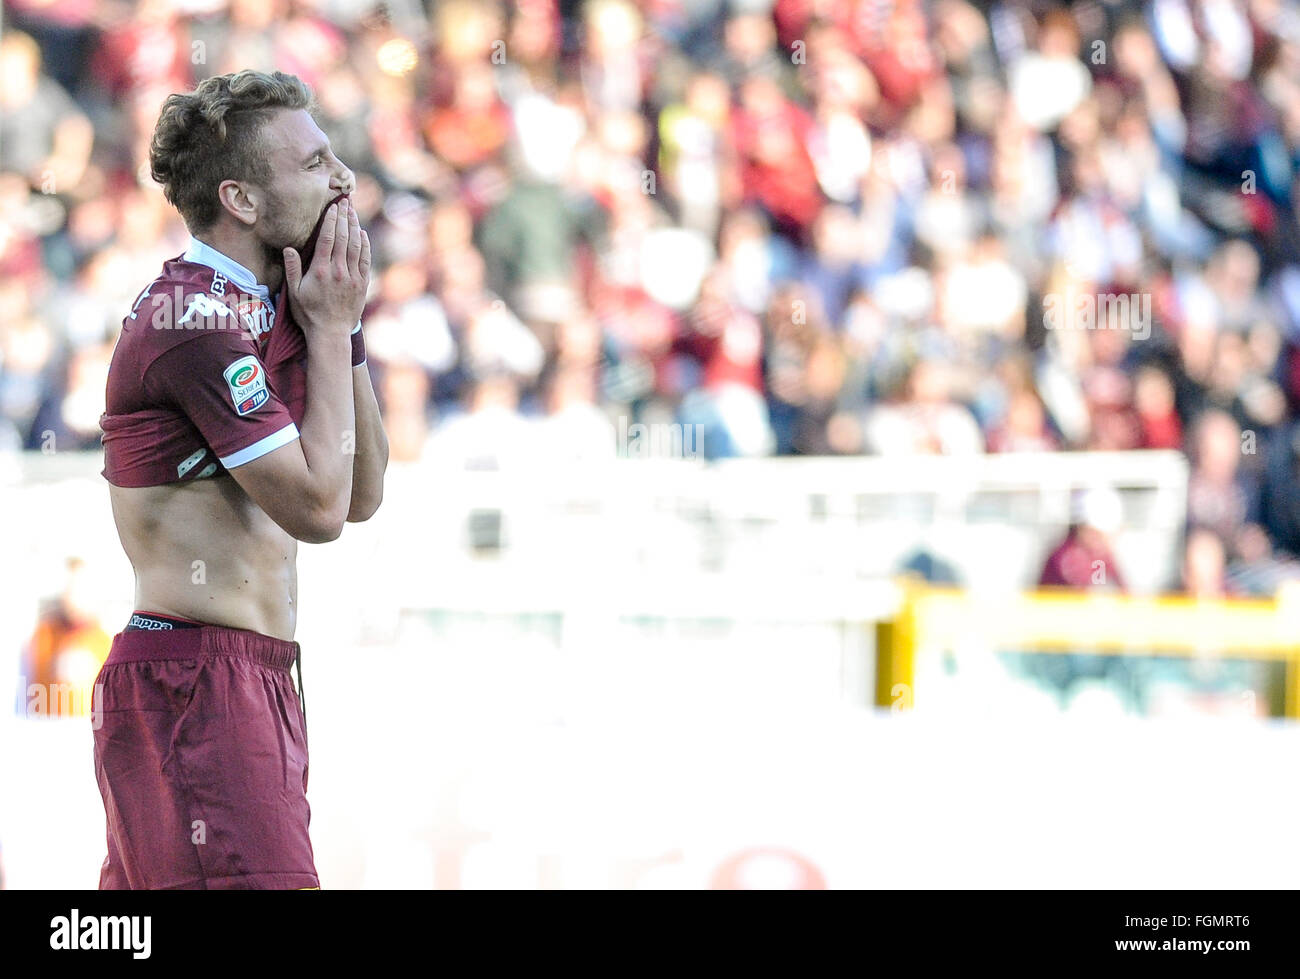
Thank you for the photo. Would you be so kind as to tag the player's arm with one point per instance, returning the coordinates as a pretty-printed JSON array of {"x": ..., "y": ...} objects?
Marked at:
[
  {"x": 304, "y": 485},
  {"x": 326, "y": 303},
  {"x": 371, "y": 445}
]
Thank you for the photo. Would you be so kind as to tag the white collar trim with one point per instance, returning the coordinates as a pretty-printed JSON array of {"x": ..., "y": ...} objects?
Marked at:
[{"x": 205, "y": 254}]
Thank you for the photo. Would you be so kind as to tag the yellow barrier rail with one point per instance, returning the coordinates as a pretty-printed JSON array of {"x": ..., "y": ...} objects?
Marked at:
[{"x": 1053, "y": 621}]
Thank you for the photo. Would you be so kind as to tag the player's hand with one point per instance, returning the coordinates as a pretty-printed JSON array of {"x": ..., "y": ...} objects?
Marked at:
[{"x": 332, "y": 294}]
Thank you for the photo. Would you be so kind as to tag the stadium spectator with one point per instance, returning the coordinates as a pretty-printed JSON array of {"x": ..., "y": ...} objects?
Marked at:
[
  {"x": 1220, "y": 494},
  {"x": 66, "y": 650},
  {"x": 1155, "y": 402},
  {"x": 1204, "y": 565},
  {"x": 924, "y": 420},
  {"x": 44, "y": 136},
  {"x": 1084, "y": 560}
]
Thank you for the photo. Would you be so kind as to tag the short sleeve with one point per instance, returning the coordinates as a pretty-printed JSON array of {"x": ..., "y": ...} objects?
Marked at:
[{"x": 217, "y": 380}]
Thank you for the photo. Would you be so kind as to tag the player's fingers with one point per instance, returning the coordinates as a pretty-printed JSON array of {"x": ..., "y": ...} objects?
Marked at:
[
  {"x": 363, "y": 263},
  {"x": 354, "y": 241},
  {"x": 292, "y": 269},
  {"x": 328, "y": 231},
  {"x": 339, "y": 255}
]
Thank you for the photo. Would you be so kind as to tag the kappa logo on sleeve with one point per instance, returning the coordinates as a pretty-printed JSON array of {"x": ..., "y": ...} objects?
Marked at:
[{"x": 246, "y": 379}]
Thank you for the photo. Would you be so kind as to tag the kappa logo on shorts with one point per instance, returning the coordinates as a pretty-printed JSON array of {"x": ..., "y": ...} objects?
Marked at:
[
  {"x": 148, "y": 624},
  {"x": 246, "y": 379}
]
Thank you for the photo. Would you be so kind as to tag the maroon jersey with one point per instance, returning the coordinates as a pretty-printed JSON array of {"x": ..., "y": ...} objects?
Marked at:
[{"x": 207, "y": 375}]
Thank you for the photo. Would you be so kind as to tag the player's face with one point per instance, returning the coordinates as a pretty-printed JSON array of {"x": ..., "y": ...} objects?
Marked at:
[{"x": 306, "y": 177}]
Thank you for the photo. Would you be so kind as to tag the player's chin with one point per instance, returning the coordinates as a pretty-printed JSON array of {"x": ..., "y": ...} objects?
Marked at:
[
  {"x": 299, "y": 240},
  {"x": 273, "y": 246}
]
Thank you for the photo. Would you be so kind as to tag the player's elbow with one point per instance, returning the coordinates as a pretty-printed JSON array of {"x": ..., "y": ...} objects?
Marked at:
[
  {"x": 320, "y": 525},
  {"x": 363, "y": 508},
  {"x": 320, "y": 533},
  {"x": 327, "y": 532}
]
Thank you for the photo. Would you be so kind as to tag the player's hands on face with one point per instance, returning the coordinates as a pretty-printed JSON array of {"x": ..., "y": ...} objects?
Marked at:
[{"x": 331, "y": 295}]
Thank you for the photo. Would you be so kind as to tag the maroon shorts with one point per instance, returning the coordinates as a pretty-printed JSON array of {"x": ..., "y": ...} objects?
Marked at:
[{"x": 201, "y": 757}]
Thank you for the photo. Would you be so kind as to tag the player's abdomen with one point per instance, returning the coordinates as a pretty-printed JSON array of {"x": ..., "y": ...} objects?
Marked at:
[{"x": 204, "y": 551}]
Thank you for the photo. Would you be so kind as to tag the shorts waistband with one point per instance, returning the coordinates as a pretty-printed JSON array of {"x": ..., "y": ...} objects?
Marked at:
[{"x": 207, "y": 640}]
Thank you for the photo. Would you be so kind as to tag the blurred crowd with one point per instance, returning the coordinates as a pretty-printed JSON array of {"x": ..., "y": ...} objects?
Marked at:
[{"x": 808, "y": 226}]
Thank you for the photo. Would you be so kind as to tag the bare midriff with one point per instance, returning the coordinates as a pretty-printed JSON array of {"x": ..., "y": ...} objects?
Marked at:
[{"x": 203, "y": 550}]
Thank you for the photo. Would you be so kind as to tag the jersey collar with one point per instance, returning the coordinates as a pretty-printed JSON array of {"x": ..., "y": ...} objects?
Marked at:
[{"x": 205, "y": 254}]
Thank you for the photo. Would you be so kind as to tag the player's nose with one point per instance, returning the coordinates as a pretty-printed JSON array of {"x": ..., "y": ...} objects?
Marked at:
[{"x": 344, "y": 180}]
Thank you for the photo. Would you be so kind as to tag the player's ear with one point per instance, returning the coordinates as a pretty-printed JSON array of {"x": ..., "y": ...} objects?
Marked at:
[{"x": 240, "y": 200}]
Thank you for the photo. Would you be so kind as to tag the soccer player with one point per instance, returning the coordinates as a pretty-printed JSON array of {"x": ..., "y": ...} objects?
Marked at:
[{"x": 240, "y": 420}]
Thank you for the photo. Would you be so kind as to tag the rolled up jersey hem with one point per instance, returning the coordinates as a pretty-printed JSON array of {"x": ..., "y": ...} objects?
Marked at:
[{"x": 261, "y": 447}]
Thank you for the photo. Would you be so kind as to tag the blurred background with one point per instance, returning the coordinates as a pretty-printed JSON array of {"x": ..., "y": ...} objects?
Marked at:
[{"x": 844, "y": 443}]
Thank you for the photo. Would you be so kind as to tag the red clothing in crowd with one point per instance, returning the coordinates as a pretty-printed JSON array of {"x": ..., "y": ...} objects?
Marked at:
[
  {"x": 775, "y": 168},
  {"x": 1077, "y": 564}
]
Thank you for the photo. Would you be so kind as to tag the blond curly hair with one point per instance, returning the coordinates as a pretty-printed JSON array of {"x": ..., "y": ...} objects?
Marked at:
[{"x": 214, "y": 134}]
